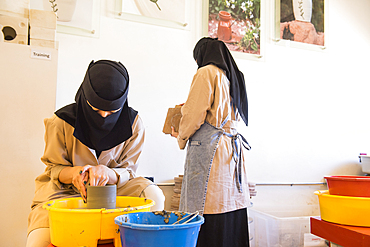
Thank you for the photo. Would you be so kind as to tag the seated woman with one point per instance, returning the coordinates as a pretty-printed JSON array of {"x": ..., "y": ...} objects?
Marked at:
[{"x": 96, "y": 140}]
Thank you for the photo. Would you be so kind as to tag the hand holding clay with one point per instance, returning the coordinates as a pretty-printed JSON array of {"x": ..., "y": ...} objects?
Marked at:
[
  {"x": 80, "y": 176},
  {"x": 101, "y": 175}
]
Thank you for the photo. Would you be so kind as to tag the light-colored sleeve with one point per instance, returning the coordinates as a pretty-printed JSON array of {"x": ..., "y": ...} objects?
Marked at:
[
  {"x": 195, "y": 109},
  {"x": 55, "y": 154},
  {"x": 126, "y": 165}
]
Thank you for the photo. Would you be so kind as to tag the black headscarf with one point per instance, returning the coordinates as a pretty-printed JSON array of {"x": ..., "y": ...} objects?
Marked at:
[
  {"x": 212, "y": 51},
  {"x": 105, "y": 86}
]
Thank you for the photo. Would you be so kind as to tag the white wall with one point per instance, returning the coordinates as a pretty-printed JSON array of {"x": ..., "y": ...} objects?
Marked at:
[{"x": 307, "y": 108}]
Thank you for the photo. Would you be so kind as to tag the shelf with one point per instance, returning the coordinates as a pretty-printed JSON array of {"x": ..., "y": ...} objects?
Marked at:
[{"x": 347, "y": 236}]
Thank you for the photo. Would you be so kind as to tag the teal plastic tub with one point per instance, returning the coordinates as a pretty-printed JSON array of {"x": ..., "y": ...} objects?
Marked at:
[{"x": 157, "y": 229}]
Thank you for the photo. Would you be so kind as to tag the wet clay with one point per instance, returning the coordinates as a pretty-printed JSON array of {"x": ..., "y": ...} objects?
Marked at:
[
  {"x": 167, "y": 215},
  {"x": 101, "y": 196}
]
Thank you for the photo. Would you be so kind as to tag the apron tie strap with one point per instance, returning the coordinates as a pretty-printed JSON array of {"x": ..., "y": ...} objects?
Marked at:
[{"x": 237, "y": 141}]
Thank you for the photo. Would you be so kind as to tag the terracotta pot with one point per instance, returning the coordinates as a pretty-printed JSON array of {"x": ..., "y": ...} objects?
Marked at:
[
  {"x": 101, "y": 196},
  {"x": 224, "y": 26}
]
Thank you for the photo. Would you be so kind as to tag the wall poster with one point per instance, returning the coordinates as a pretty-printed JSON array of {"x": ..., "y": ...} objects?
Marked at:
[
  {"x": 73, "y": 17},
  {"x": 236, "y": 22},
  {"x": 169, "y": 13},
  {"x": 301, "y": 21}
]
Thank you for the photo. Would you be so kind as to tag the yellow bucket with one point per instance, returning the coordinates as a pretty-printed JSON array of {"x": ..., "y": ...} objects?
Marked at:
[
  {"x": 73, "y": 225},
  {"x": 345, "y": 210}
]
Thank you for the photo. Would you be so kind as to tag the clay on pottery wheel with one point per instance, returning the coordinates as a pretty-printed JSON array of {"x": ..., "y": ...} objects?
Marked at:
[{"x": 101, "y": 196}]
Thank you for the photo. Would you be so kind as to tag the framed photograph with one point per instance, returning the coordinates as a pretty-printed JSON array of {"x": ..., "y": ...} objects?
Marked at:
[
  {"x": 78, "y": 17},
  {"x": 300, "y": 23},
  {"x": 169, "y": 13},
  {"x": 237, "y": 23}
]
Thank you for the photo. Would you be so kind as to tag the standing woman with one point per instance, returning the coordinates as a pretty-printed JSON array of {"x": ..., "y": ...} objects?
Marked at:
[
  {"x": 96, "y": 140},
  {"x": 215, "y": 181}
]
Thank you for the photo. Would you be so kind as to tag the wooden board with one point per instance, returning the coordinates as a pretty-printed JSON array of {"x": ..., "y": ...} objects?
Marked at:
[{"x": 173, "y": 119}]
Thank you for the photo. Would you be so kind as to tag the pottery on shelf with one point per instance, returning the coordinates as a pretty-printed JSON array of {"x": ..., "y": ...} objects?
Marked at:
[
  {"x": 63, "y": 8},
  {"x": 302, "y": 10}
]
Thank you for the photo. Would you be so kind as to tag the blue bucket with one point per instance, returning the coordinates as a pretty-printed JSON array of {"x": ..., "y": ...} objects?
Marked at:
[{"x": 157, "y": 229}]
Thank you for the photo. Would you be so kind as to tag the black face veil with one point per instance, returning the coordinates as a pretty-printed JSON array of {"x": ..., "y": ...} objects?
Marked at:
[
  {"x": 213, "y": 51},
  {"x": 105, "y": 87}
]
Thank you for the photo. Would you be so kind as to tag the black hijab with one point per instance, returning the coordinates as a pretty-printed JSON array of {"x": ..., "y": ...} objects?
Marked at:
[
  {"x": 105, "y": 86},
  {"x": 212, "y": 51}
]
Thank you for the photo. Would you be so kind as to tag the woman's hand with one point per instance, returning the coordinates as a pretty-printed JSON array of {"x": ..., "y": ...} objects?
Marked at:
[
  {"x": 101, "y": 175},
  {"x": 174, "y": 133},
  {"x": 252, "y": 189},
  {"x": 79, "y": 178}
]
